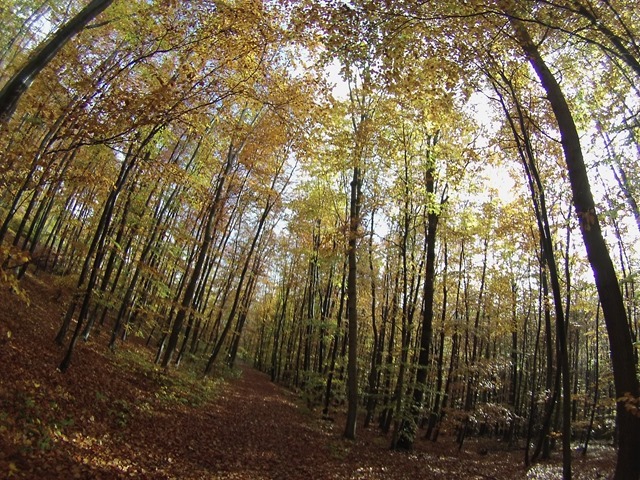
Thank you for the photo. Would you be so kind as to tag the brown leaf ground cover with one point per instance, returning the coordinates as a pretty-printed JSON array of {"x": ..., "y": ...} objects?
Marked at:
[{"x": 115, "y": 416}]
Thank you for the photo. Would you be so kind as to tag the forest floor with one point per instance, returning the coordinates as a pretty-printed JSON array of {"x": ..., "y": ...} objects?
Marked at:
[{"x": 115, "y": 416}]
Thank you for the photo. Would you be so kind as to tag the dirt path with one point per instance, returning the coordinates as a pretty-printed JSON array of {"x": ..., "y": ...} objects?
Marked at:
[
  {"x": 258, "y": 431},
  {"x": 109, "y": 417},
  {"x": 253, "y": 430}
]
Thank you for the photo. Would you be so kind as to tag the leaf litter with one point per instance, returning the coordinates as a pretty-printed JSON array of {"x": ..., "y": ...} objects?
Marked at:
[{"x": 114, "y": 416}]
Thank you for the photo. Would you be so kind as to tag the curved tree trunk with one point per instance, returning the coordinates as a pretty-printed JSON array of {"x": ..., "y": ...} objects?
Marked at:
[{"x": 615, "y": 315}]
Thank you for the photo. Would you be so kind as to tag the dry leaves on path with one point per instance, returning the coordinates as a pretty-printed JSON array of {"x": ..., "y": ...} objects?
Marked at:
[{"x": 116, "y": 416}]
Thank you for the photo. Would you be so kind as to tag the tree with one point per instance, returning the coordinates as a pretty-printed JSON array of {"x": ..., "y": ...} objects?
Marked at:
[
  {"x": 518, "y": 124},
  {"x": 622, "y": 357},
  {"x": 408, "y": 430},
  {"x": 19, "y": 83}
]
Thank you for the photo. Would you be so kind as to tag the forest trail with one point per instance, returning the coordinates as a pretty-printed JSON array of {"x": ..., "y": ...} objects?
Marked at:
[
  {"x": 260, "y": 431},
  {"x": 117, "y": 416}
]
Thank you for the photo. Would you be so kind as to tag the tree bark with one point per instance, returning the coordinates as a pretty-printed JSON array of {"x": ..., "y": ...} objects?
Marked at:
[{"x": 22, "y": 79}]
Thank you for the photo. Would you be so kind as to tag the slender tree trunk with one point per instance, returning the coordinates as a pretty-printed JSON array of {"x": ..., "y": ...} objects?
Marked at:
[
  {"x": 311, "y": 292},
  {"x": 336, "y": 339},
  {"x": 242, "y": 318},
  {"x": 619, "y": 47},
  {"x": 211, "y": 225},
  {"x": 97, "y": 247},
  {"x": 551, "y": 385},
  {"x": 352, "y": 307},
  {"x": 110, "y": 263},
  {"x": 455, "y": 347},
  {"x": 533, "y": 377},
  {"x": 84, "y": 273},
  {"x": 391, "y": 315},
  {"x": 30, "y": 178},
  {"x": 522, "y": 138},
  {"x": 280, "y": 316},
  {"x": 239, "y": 289},
  {"x": 596, "y": 392},
  {"x": 408, "y": 433},
  {"x": 372, "y": 388},
  {"x": 191, "y": 285},
  {"x": 623, "y": 183},
  {"x": 326, "y": 310},
  {"x": 435, "y": 412}
]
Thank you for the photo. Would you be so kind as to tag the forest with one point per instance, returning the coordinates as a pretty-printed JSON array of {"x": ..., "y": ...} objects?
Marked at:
[{"x": 419, "y": 220}]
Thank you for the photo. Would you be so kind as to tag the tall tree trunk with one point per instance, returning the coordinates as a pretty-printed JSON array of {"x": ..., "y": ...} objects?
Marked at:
[
  {"x": 280, "y": 315},
  {"x": 533, "y": 380},
  {"x": 623, "y": 182},
  {"x": 352, "y": 307},
  {"x": 236, "y": 301},
  {"x": 619, "y": 48},
  {"x": 435, "y": 411},
  {"x": 408, "y": 433},
  {"x": 31, "y": 177},
  {"x": 525, "y": 149},
  {"x": 22, "y": 79},
  {"x": 311, "y": 292},
  {"x": 99, "y": 233},
  {"x": 336, "y": 339},
  {"x": 455, "y": 348},
  {"x": 596, "y": 378},
  {"x": 110, "y": 263},
  {"x": 327, "y": 305},
  {"x": 621, "y": 346},
  {"x": 551, "y": 385},
  {"x": 372, "y": 387},
  {"x": 242, "y": 317},
  {"x": 213, "y": 216}
]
